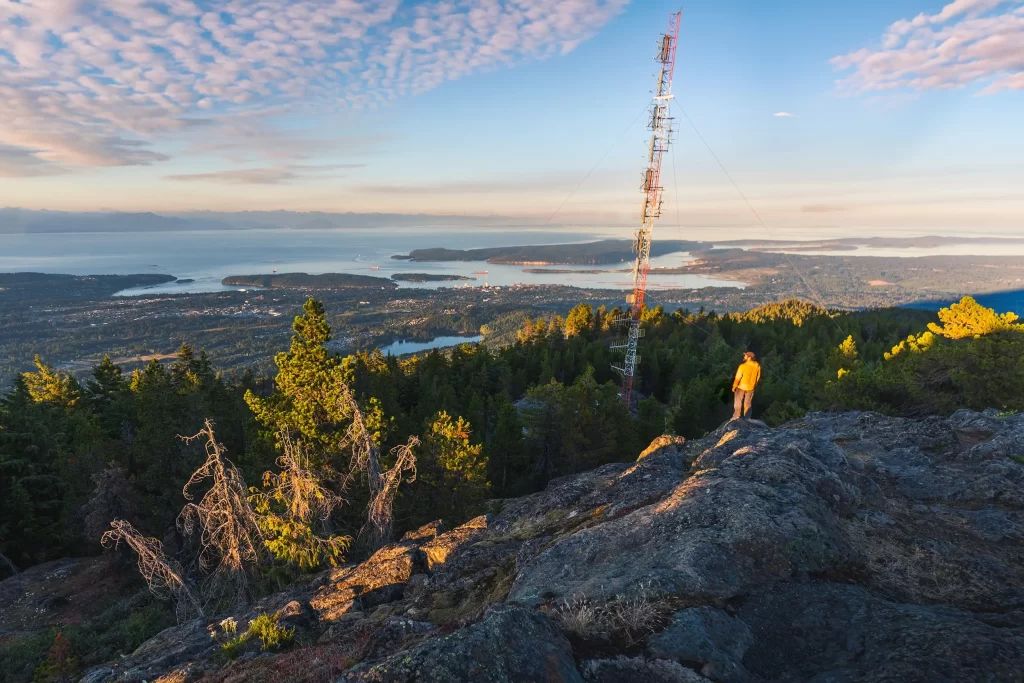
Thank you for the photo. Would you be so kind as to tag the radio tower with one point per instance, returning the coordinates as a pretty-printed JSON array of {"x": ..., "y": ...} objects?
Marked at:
[{"x": 661, "y": 135}]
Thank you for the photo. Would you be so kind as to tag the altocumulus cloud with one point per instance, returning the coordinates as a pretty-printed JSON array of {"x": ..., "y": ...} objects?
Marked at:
[
  {"x": 99, "y": 82},
  {"x": 968, "y": 42}
]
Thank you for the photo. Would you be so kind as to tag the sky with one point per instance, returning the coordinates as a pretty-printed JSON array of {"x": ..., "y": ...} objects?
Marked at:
[{"x": 871, "y": 115}]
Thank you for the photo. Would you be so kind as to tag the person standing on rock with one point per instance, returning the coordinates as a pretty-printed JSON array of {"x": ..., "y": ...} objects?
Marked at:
[{"x": 747, "y": 377}]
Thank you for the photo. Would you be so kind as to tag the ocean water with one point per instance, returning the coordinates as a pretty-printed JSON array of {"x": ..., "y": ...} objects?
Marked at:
[
  {"x": 206, "y": 257},
  {"x": 1001, "y": 302}
]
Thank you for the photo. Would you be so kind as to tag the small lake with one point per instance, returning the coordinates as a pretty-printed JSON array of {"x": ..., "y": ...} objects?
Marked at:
[{"x": 400, "y": 348}]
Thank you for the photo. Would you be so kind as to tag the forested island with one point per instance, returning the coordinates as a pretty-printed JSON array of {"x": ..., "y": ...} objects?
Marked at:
[
  {"x": 611, "y": 251},
  {"x": 429, "y": 277},
  {"x": 16, "y": 286},
  {"x": 304, "y": 280},
  {"x": 590, "y": 253}
]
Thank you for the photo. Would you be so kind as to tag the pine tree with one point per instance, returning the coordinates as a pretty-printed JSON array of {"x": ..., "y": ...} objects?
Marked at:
[
  {"x": 309, "y": 397},
  {"x": 579, "y": 320},
  {"x": 455, "y": 468}
]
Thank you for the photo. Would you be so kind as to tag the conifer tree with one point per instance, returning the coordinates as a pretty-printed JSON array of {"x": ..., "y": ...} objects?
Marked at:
[
  {"x": 580, "y": 319},
  {"x": 308, "y": 397},
  {"x": 453, "y": 466}
]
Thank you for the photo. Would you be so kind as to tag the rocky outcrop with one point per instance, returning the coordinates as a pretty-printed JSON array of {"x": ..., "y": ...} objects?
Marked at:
[{"x": 840, "y": 547}]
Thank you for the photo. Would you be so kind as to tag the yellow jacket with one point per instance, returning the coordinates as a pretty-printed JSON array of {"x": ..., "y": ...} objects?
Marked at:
[{"x": 747, "y": 376}]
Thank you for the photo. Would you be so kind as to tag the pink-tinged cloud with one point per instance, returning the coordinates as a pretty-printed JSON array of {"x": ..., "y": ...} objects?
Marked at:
[
  {"x": 101, "y": 82},
  {"x": 968, "y": 42}
]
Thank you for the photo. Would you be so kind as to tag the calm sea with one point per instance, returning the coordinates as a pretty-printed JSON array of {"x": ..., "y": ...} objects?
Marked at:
[
  {"x": 209, "y": 256},
  {"x": 206, "y": 257}
]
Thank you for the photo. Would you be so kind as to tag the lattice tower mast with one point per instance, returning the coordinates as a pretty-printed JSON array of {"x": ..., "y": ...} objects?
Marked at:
[{"x": 660, "y": 124}]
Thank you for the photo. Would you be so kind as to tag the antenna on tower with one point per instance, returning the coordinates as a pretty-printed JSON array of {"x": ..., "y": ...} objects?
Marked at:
[{"x": 660, "y": 124}]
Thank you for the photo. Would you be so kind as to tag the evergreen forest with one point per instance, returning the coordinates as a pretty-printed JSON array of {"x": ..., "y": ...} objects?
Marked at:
[{"x": 334, "y": 455}]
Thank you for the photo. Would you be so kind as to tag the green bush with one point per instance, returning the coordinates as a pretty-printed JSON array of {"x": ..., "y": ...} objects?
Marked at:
[{"x": 272, "y": 636}]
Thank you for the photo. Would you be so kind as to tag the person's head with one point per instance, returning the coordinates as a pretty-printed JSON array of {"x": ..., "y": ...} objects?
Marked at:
[{"x": 749, "y": 355}]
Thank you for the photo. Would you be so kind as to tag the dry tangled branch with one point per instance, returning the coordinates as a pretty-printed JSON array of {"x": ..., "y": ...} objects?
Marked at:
[
  {"x": 292, "y": 500},
  {"x": 230, "y": 539},
  {"x": 297, "y": 487},
  {"x": 382, "y": 484},
  {"x": 163, "y": 575},
  {"x": 383, "y": 491}
]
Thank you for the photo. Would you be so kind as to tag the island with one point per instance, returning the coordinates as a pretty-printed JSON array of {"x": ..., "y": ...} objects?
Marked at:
[
  {"x": 306, "y": 281},
  {"x": 588, "y": 253},
  {"x": 429, "y": 277},
  {"x": 64, "y": 287},
  {"x": 609, "y": 251},
  {"x": 568, "y": 271}
]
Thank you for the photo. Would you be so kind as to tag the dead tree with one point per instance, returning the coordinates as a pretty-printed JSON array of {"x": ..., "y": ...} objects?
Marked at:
[
  {"x": 231, "y": 544},
  {"x": 163, "y": 575},
  {"x": 383, "y": 491},
  {"x": 382, "y": 484}
]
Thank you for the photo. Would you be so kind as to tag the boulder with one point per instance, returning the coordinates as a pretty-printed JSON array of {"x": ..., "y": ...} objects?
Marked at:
[
  {"x": 510, "y": 645},
  {"x": 438, "y": 550},
  {"x": 707, "y": 636},
  {"x": 427, "y": 532},
  {"x": 380, "y": 579},
  {"x": 663, "y": 444}
]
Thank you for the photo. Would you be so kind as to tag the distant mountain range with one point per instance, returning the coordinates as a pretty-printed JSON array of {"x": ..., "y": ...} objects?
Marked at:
[{"x": 21, "y": 221}]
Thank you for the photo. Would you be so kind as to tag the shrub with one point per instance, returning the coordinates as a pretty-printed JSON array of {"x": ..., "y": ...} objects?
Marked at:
[
  {"x": 272, "y": 635},
  {"x": 266, "y": 629}
]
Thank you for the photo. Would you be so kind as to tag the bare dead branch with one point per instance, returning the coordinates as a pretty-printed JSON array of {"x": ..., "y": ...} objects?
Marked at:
[
  {"x": 382, "y": 484},
  {"x": 379, "y": 510},
  {"x": 305, "y": 498},
  {"x": 230, "y": 538},
  {"x": 163, "y": 575}
]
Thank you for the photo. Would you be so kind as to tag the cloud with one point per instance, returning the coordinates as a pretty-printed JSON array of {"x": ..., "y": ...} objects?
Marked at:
[
  {"x": 112, "y": 82},
  {"x": 968, "y": 42},
  {"x": 783, "y": 115},
  {"x": 244, "y": 176},
  {"x": 261, "y": 176},
  {"x": 22, "y": 163},
  {"x": 821, "y": 208},
  {"x": 542, "y": 183}
]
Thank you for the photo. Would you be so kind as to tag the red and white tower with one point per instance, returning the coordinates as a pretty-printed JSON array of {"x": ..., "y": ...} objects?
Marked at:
[{"x": 660, "y": 124}]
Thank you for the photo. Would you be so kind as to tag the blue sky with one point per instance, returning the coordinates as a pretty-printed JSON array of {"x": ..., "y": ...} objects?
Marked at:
[{"x": 904, "y": 114}]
